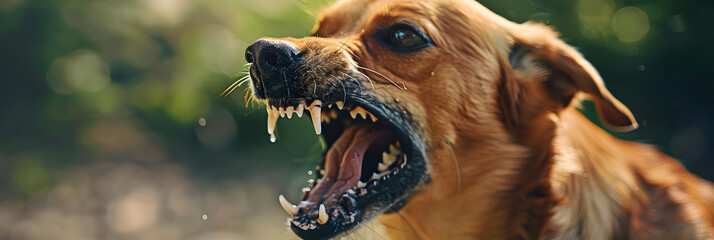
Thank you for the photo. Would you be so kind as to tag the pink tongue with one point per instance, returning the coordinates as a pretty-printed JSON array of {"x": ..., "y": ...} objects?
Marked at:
[{"x": 343, "y": 162}]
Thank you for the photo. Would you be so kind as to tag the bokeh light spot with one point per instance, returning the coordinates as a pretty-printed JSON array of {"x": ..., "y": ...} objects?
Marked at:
[
  {"x": 88, "y": 72},
  {"x": 630, "y": 24},
  {"x": 136, "y": 211},
  {"x": 595, "y": 16},
  {"x": 30, "y": 176}
]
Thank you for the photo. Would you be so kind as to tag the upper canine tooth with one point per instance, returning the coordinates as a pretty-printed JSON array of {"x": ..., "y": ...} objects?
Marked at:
[
  {"x": 322, "y": 215},
  {"x": 388, "y": 159},
  {"x": 315, "y": 109},
  {"x": 282, "y": 112},
  {"x": 272, "y": 119},
  {"x": 340, "y": 104},
  {"x": 289, "y": 207},
  {"x": 289, "y": 111},
  {"x": 299, "y": 110},
  {"x": 275, "y": 111}
]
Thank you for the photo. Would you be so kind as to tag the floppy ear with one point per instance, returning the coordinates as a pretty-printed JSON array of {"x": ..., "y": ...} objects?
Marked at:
[{"x": 568, "y": 72}]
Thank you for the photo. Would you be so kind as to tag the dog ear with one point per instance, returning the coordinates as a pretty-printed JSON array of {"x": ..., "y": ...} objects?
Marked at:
[{"x": 567, "y": 72}]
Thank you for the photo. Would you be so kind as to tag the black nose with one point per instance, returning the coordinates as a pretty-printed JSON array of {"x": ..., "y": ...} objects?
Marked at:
[{"x": 274, "y": 67}]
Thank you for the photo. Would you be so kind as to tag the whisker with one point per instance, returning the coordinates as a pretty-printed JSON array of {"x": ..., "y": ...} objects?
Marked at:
[
  {"x": 404, "y": 87},
  {"x": 340, "y": 48},
  {"x": 344, "y": 89},
  {"x": 235, "y": 85},
  {"x": 361, "y": 88},
  {"x": 368, "y": 78}
]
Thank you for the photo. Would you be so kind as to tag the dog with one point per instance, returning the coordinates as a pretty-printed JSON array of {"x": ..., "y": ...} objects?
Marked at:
[{"x": 447, "y": 121}]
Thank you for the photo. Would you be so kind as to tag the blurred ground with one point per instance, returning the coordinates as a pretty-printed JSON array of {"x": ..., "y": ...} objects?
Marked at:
[{"x": 110, "y": 125}]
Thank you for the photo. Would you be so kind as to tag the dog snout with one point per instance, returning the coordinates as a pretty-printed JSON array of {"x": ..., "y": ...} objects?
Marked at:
[{"x": 274, "y": 66}]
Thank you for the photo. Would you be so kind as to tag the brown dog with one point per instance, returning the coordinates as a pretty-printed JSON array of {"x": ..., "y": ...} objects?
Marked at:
[{"x": 450, "y": 122}]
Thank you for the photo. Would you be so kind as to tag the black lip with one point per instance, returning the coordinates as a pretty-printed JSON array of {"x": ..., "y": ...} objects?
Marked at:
[{"x": 386, "y": 196}]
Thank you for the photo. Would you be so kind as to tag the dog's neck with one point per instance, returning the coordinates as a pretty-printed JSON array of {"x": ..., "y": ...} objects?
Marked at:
[{"x": 513, "y": 191}]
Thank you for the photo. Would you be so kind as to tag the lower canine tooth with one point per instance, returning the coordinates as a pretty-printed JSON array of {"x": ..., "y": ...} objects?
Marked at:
[
  {"x": 289, "y": 207},
  {"x": 322, "y": 215}
]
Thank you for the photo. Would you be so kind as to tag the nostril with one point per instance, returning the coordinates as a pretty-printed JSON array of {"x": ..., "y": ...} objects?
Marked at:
[
  {"x": 279, "y": 56},
  {"x": 249, "y": 56}
]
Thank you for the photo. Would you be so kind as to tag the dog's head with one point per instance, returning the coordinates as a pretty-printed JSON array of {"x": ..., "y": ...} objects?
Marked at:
[{"x": 396, "y": 88}]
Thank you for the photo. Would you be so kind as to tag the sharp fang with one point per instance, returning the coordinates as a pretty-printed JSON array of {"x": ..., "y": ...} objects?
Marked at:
[
  {"x": 315, "y": 109},
  {"x": 329, "y": 106},
  {"x": 352, "y": 191},
  {"x": 289, "y": 207},
  {"x": 299, "y": 110},
  {"x": 282, "y": 112},
  {"x": 272, "y": 119},
  {"x": 394, "y": 150},
  {"x": 360, "y": 184},
  {"x": 388, "y": 159},
  {"x": 340, "y": 104},
  {"x": 381, "y": 167},
  {"x": 289, "y": 111},
  {"x": 275, "y": 111},
  {"x": 323, "y": 217}
]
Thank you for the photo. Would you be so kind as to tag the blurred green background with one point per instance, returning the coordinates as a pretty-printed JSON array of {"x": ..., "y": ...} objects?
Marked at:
[{"x": 101, "y": 101}]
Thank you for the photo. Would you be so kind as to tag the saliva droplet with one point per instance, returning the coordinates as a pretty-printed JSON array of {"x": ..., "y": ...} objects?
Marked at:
[{"x": 272, "y": 137}]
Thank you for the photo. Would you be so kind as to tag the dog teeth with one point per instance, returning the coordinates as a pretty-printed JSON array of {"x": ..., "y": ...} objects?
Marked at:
[
  {"x": 299, "y": 110},
  {"x": 289, "y": 111},
  {"x": 282, "y": 112},
  {"x": 378, "y": 176},
  {"x": 358, "y": 111},
  {"x": 315, "y": 109},
  {"x": 340, "y": 104},
  {"x": 322, "y": 215},
  {"x": 289, "y": 207},
  {"x": 272, "y": 119},
  {"x": 382, "y": 167},
  {"x": 388, "y": 159},
  {"x": 360, "y": 184},
  {"x": 374, "y": 119},
  {"x": 394, "y": 150}
]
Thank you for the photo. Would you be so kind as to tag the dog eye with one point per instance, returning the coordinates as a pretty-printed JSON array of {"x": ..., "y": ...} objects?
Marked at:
[{"x": 404, "y": 38}]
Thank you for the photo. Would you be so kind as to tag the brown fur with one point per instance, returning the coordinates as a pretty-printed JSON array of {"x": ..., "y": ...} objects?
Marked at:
[{"x": 509, "y": 156}]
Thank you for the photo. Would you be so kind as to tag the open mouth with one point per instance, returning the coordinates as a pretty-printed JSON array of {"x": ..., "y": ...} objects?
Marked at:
[{"x": 374, "y": 159}]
